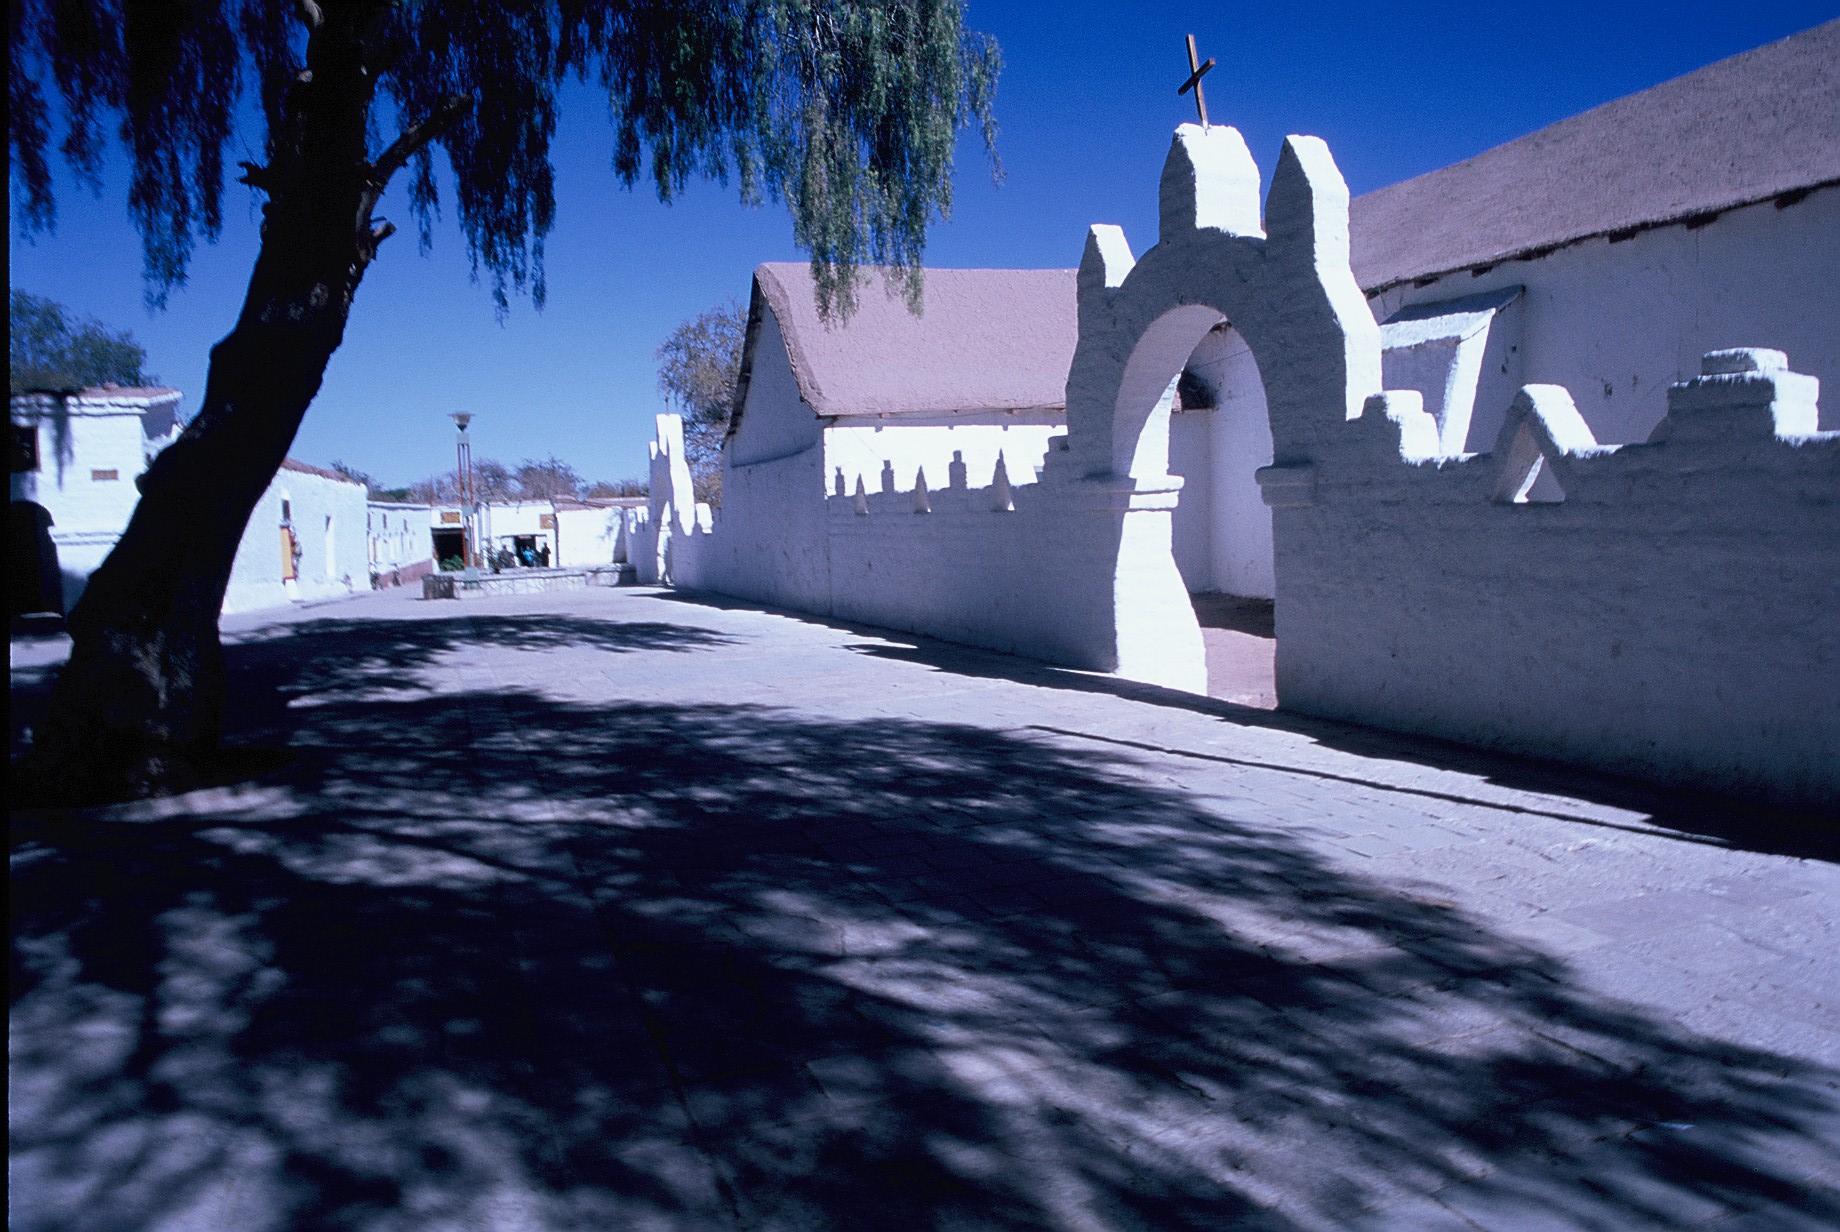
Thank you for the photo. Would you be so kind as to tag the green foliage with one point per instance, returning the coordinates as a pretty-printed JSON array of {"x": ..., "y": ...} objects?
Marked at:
[
  {"x": 845, "y": 110},
  {"x": 46, "y": 349},
  {"x": 698, "y": 366}
]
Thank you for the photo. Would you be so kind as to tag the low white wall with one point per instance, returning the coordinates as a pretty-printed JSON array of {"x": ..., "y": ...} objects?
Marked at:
[
  {"x": 769, "y": 542},
  {"x": 1033, "y": 570},
  {"x": 1031, "y": 580},
  {"x": 587, "y": 536},
  {"x": 1676, "y": 615}
]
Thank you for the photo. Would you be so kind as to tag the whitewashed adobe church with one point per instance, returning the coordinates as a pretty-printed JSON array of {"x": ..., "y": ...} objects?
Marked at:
[{"x": 1528, "y": 450}]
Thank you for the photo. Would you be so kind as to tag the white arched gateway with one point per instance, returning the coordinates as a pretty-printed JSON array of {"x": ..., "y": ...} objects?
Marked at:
[
  {"x": 1290, "y": 294},
  {"x": 1076, "y": 567}
]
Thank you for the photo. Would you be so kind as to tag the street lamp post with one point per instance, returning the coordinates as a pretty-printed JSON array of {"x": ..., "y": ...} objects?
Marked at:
[{"x": 463, "y": 478}]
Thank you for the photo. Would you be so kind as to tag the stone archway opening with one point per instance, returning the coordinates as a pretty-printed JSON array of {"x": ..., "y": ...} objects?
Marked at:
[
  {"x": 1193, "y": 392},
  {"x": 1220, "y": 436}
]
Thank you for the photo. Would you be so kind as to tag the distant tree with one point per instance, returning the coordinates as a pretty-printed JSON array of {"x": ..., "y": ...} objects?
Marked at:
[
  {"x": 548, "y": 479},
  {"x": 356, "y": 476},
  {"x": 602, "y": 489},
  {"x": 400, "y": 496},
  {"x": 492, "y": 481},
  {"x": 847, "y": 110},
  {"x": 434, "y": 490},
  {"x": 47, "y": 349},
  {"x": 698, "y": 365}
]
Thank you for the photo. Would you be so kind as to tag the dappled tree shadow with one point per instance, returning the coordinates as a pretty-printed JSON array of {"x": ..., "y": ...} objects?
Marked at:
[{"x": 498, "y": 958}]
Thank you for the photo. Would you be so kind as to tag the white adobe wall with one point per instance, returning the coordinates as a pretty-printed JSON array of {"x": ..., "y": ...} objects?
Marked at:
[
  {"x": 908, "y": 446},
  {"x": 769, "y": 541},
  {"x": 1191, "y": 456},
  {"x": 398, "y": 535},
  {"x": 500, "y": 521},
  {"x": 1617, "y": 322},
  {"x": 92, "y": 448},
  {"x": 586, "y": 537},
  {"x": 776, "y": 421},
  {"x": 1675, "y": 615},
  {"x": 329, "y": 521},
  {"x": 1614, "y": 322},
  {"x": 1222, "y": 531}
]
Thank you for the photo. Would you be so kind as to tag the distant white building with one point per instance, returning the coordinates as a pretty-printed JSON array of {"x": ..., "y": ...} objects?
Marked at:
[
  {"x": 305, "y": 541},
  {"x": 559, "y": 532},
  {"x": 75, "y": 459},
  {"x": 589, "y": 532},
  {"x": 401, "y": 543}
]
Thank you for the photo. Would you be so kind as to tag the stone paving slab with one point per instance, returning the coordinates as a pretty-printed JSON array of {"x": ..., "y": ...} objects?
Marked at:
[{"x": 619, "y": 909}]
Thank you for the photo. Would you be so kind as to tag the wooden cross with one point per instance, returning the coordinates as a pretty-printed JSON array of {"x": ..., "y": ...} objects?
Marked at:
[{"x": 1196, "y": 71}]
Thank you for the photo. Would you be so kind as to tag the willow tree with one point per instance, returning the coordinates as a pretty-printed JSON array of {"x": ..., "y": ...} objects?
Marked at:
[{"x": 847, "y": 111}]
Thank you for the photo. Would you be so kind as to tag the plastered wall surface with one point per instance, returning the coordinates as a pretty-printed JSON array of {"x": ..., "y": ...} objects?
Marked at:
[
  {"x": 776, "y": 421},
  {"x": 92, "y": 447},
  {"x": 1222, "y": 529},
  {"x": 586, "y": 536},
  {"x": 769, "y": 541},
  {"x": 1191, "y": 458},
  {"x": 399, "y": 537},
  {"x": 908, "y": 447},
  {"x": 328, "y": 518},
  {"x": 1617, "y": 322},
  {"x": 1675, "y": 615}
]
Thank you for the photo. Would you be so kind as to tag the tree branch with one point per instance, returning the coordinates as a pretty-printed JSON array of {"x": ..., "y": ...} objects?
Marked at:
[
  {"x": 309, "y": 14},
  {"x": 416, "y": 136}
]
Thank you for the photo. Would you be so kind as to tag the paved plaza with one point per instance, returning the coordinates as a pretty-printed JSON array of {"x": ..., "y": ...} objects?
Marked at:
[{"x": 621, "y": 910}]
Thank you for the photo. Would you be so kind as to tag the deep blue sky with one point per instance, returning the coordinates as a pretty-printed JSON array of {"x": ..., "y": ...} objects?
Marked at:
[{"x": 1086, "y": 105}]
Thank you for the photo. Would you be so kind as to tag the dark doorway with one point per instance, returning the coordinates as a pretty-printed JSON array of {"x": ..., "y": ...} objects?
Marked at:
[
  {"x": 32, "y": 562},
  {"x": 450, "y": 548},
  {"x": 524, "y": 547}
]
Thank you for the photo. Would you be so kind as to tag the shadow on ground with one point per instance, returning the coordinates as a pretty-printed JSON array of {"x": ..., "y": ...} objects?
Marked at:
[
  {"x": 1696, "y": 815},
  {"x": 497, "y": 960}
]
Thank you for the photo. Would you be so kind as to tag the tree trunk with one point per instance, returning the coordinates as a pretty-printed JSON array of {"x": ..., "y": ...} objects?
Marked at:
[{"x": 138, "y": 710}]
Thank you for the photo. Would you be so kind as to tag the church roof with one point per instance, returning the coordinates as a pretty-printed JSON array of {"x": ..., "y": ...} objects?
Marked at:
[
  {"x": 986, "y": 340},
  {"x": 1764, "y": 124}
]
